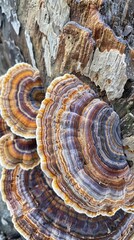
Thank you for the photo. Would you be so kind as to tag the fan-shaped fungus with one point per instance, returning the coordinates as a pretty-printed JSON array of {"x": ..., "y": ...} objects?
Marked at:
[
  {"x": 39, "y": 214},
  {"x": 78, "y": 141},
  {"x": 21, "y": 95},
  {"x": 3, "y": 126},
  {"x": 16, "y": 150}
]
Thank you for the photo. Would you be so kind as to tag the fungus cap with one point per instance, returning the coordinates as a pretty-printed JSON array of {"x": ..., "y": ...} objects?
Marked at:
[
  {"x": 21, "y": 95},
  {"x": 16, "y": 150},
  {"x": 79, "y": 143},
  {"x": 38, "y": 213},
  {"x": 3, "y": 126},
  {"x": 4, "y": 129}
]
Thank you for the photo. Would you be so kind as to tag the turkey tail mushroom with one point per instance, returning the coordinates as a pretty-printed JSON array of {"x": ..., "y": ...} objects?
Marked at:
[
  {"x": 21, "y": 95},
  {"x": 79, "y": 143},
  {"x": 39, "y": 214},
  {"x": 3, "y": 126},
  {"x": 16, "y": 150}
]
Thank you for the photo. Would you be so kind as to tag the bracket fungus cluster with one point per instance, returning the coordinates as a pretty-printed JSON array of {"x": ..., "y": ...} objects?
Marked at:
[
  {"x": 83, "y": 187},
  {"x": 38, "y": 213},
  {"x": 21, "y": 94}
]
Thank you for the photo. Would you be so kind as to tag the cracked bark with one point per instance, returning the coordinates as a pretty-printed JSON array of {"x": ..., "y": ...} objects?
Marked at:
[{"x": 93, "y": 39}]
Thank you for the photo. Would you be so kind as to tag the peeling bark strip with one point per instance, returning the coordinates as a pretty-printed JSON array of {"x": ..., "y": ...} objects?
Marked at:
[
  {"x": 72, "y": 50},
  {"x": 15, "y": 45},
  {"x": 52, "y": 16},
  {"x": 76, "y": 48},
  {"x": 108, "y": 62},
  {"x": 108, "y": 70},
  {"x": 9, "y": 9}
]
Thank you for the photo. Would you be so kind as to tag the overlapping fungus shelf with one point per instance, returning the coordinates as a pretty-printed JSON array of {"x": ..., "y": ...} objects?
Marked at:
[
  {"x": 3, "y": 126},
  {"x": 16, "y": 150},
  {"x": 79, "y": 143},
  {"x": 38, "y": 213},
  {"x": 21, "y": 95}
]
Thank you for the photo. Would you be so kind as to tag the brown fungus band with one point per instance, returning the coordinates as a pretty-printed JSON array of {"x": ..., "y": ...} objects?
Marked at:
[
  {"x": 21, "y": 95},
  {"x": 15, "y": 150},
  {"x": 3, "y": 126},
  {"x": 39, "y": 214},
  {"x": 79, "y": 143}
]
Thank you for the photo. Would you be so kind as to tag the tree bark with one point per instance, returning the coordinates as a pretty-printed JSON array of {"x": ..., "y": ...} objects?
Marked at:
[{"x": 93, "y": 39}]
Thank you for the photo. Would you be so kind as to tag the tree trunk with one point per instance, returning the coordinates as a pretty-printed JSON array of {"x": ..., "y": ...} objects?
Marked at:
[{"x": 93, "y": 39}]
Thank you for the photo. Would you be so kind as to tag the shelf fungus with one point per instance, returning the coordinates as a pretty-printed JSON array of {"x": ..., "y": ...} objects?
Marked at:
[
  {"x": 15, "y": 150},
  {"x": 21, "y": 94},
  {"x": 3, "y": 126},
  {"x": 38, "y": 213},
  {"x": 79, "y": 143}
]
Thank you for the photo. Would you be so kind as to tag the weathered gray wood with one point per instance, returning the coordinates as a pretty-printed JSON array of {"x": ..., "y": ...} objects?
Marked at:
[{"x": 102, "y": 51}]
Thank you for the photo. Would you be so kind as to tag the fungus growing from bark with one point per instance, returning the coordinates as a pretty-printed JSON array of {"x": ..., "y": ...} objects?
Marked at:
[
  {"x": 21, "y": 95},
  {"x": 15, "y": 150},
  {"x": 3, "y": 126},
  {"x": 82, "y": 160},
  {"x": 79, "y": 143},
  {"x": 38, "y": 213}
]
